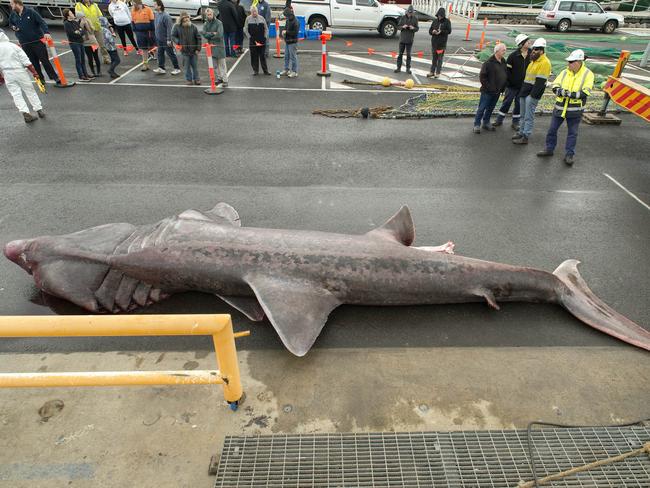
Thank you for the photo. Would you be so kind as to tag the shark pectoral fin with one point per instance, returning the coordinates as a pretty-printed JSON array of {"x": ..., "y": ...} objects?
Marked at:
[
  {"x": 247, "y": 305},
  {"x": 489, "y": 298},
  {"x": 399, "y": 227},
  {"x": 297, "y": 309},
  {"x": 73, "y": 280},
  {"x": 222, "y": 213}
]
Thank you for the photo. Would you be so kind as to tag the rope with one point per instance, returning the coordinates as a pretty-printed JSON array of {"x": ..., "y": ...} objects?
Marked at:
[
  {"x": 435, "y": 86},
  {"x": 586, "y": 467}
]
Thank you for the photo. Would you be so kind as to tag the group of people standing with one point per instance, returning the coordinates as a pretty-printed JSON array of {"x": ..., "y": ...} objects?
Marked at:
[
  {"x": 439, "y": 32},
  {"x": 524, "y": 77}
]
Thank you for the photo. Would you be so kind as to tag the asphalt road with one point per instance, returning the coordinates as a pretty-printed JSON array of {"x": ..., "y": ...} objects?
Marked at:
[{"x": 140, "y": 153}]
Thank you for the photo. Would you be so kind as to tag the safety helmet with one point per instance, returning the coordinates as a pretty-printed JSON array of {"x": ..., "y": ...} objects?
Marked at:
[
  {"x": 577, "y": 55},
  {"x": 520, "y": 39},
  {"x": 541, "y": 42}
]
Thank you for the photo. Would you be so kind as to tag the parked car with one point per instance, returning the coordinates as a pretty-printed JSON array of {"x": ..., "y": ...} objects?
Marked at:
[
  {"x": 350, "y": 14},
  {"x": 565, "y": 14}
]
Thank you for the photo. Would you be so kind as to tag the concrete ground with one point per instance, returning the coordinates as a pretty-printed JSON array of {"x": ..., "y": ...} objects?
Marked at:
[{"x": 138, "y": 152}]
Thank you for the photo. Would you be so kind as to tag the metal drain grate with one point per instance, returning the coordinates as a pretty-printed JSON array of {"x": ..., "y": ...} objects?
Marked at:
[{"x": 475, "y": 459}]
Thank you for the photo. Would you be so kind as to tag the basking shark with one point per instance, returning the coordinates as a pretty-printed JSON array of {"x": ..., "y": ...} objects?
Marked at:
[{"x": 294, "y": 277}]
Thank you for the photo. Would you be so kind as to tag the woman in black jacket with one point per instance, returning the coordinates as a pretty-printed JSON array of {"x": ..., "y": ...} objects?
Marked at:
[
  {"x": 74, "y": 33},
  {"x": 439, "y": 31}
]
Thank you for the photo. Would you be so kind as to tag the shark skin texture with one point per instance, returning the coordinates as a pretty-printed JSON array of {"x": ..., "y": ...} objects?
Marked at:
[{"x": 295, "y": 278}]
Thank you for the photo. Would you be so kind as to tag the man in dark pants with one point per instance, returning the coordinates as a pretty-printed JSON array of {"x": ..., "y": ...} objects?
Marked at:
[
  {"x": 493, "y": 78},
  {"x": 408, "y": 26},
  {"x": 229, "y": 18},
  {"x": 516, "y": 63},
  {"x": 257, "y": 32},
  {"x": 30, "y": 28},
  {"x": 571, "y": 88},
  {"x": 439, "y": 31}
]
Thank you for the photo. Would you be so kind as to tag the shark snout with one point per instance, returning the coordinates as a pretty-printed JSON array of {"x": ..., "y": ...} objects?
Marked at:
[{"x": 16, "y": 251}]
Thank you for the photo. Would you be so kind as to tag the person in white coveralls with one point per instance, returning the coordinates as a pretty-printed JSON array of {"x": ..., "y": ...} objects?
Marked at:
[{"x": 15, "y": 68}]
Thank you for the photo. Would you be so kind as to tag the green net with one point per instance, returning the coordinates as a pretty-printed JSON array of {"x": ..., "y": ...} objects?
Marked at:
[{"x": 558, "y": 51}]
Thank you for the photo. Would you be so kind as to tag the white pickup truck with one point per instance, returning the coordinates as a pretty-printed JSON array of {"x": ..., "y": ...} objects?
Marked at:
[{"x": 349, "y": 14}]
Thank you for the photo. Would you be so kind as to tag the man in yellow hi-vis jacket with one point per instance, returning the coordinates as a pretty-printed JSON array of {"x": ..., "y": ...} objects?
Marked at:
[{"x": 571, "y": 87}]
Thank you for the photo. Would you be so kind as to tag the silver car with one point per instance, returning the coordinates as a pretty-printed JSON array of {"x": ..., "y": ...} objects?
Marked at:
[{"x": 564, "y": 14}]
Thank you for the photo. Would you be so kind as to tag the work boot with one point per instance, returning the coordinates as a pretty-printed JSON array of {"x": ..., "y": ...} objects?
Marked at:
[
  {"x": 397, "y": 70},
  {"x": 568, "y": 159},
  {"x": 517, "y": 136},
  {"x": 408, "y": 71},
  {"x": 29, "y": 117},
  {"x": 477, "y": 129},
  {"x": 488, "y": 128},
  {"x": 41, "y": 113},
  {"x": 431, "y": 75},
  {"x": 520, "y": 140},
  {"x": 515, "y": 127},
  {"x": 498, "y": 122},
  {"x": 545, "y": 153}
]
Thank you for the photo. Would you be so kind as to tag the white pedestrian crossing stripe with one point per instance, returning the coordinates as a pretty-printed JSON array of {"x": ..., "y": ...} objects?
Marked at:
[
  {"x": 383, "y": 67},
  {"x": 458, "y": 69}
]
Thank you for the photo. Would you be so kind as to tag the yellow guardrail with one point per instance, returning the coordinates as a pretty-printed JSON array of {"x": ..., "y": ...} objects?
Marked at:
[{"x": 217, "y": 326}]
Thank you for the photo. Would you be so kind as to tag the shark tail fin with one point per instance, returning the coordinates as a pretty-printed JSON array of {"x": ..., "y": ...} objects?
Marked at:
[{"x": 578, "y": 299}]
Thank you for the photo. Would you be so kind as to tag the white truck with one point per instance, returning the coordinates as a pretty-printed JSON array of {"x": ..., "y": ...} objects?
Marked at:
[
  {"x": 349, "y": 14},
  {"x": 52, "y": 9}
]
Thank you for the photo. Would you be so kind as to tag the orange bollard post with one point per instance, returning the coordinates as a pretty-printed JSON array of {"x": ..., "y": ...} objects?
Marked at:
[
  {"x": 57, "y": 64},
  {"x": 277, "y": 54},
  {"x": 482, "y": 44},
  {"x": 450, "y": 8},
  {"x": 213, "y": 90},
  {"x": 323, "y": 67},
  {"x": 469, "y": 27}
]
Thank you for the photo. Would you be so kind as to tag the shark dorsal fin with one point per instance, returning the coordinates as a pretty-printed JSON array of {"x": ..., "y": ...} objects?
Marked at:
[
  {"x": 298, "y": 309},
  {"x": 225, "y": 211},
  {"x": 399, "y": 227},
  {"x": 221, "y": 213}
]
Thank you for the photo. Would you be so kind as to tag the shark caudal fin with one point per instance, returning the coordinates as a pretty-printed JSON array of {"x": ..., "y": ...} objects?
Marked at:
[{"x": 578, "y": 299}]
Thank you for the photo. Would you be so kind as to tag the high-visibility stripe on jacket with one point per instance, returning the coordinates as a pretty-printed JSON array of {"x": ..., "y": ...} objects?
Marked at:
[
  {"x": 578, "y": 84},
  {"x": 540, "y": 68}
]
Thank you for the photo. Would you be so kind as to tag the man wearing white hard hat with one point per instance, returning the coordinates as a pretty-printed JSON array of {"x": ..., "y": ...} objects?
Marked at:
[
  {"x": 537, "y": 74},
  {"x": 571, "y": 88},
  {"x": 516, "y": 65}
]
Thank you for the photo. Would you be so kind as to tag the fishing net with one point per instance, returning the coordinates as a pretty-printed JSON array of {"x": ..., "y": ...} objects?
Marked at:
[{"x": 439, "y": 105}]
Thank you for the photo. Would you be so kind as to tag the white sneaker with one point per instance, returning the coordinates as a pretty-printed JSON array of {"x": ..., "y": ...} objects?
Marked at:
[
  {"x": 285, "y": 72},
  {"x": 176, "y": 71},
  {"x": 292, "y": 74},
  {"x": 160, "y": 71}
]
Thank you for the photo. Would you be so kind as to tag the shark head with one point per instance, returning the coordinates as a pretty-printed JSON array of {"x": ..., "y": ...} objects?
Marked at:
[{"x": 70, "y": 266}]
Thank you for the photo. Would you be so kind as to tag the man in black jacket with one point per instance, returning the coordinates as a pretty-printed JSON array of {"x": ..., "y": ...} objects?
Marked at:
[
  {"x": 408, "y": 26},
  {"x": 230, "y": 20},
  {"x": 439, "y": 31},
  {"x": 30, "y": 28},
  {"x": 493, "y": 78},
  {"x": 516, "y": 63},
  {"x": 291, "y": 31}
]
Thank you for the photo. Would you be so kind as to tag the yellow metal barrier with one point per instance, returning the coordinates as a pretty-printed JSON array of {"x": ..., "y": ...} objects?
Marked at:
[{"x": 218, "y": 326}]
